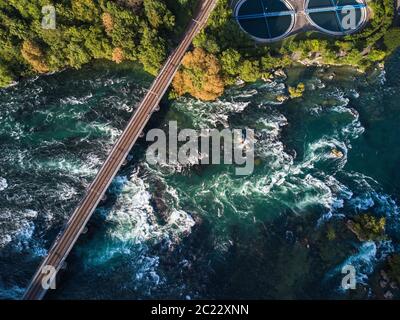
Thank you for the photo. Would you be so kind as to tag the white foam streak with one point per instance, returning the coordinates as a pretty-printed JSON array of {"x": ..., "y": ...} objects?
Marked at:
[
  {"x": 3, "y": 184},
  {"x": 136, "y": 219}
]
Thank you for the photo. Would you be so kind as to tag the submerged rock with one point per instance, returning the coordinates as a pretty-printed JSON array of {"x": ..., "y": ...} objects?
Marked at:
[
  {"x": 337, "y": 153},
  {"x": 388, "y": 295},
  {"x": 280, "y": 73},
  {"x": 331, "y": 76},
  {"x": 240, "y": 82},
  {"x": 393, "y": 285},
  {"x": 266, "y": 79},
  {"x": 384, "y": 275}
]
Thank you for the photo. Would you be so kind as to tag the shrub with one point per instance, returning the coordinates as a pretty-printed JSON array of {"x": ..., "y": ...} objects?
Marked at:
[
  {"x": 298, "y": 91},
  {"x": 199, "y": 76},
  {"x": 118, "y": 55},
  {"x": 367, "y": 227},
  {"x": 34, "y": 56}
]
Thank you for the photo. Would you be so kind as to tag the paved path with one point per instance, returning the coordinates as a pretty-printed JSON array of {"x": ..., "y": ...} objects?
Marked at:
[
  {"x": 302, "y": 24},
  {"x": 76, "y": 224}
]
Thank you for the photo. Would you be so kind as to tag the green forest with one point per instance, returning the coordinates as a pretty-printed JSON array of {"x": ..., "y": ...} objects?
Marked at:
[
  {"x": 118, "y": 30},
  {"x": 146, "y": 30}
]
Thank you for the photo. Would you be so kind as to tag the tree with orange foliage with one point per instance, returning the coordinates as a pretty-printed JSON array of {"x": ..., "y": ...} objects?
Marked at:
[
  {"x": 34, "y": 56},
  {"x": 200, "y": 76},
  {"x": 118, "y": 55},
  {"x": 108, "y": 22}
]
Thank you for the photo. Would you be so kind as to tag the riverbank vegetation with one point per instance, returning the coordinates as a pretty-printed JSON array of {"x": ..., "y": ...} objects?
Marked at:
[
  {"x": 199, "y": 76},
  {"x": 146, "y": 30},
  {"x": 240, "y": 58},
  {"x": 367, "y": 227}
]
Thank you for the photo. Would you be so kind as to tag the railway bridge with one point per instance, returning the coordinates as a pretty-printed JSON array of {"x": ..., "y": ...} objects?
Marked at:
[{"x": 78, "y": 220}]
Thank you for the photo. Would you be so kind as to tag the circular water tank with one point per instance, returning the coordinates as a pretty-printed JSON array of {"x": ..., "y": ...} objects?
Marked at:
[
  {"x": 265, "y": 20},
  {"x": 336, "y": 17}
]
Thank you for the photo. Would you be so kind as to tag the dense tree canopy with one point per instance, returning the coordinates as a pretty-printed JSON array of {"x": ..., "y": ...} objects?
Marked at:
[
  {"x": 117, "y": 30},
  {"x": 200, "y": 76}
]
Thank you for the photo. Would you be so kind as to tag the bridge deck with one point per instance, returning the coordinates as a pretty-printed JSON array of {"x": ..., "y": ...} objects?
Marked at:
[{"x": 76, "y": 224}]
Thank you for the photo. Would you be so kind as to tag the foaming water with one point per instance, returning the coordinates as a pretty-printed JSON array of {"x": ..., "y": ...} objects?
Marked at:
[
  {"x": 3, "y": 184},
  {"x": 55, "y": 132},
  {"x": 364, "y": 260},
  {"x": 200, "y": 231},
  {"x": 179, "y": 230}
]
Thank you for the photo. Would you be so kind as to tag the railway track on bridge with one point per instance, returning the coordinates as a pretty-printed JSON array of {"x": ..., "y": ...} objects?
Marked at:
[{"x": 67, "y": 238}]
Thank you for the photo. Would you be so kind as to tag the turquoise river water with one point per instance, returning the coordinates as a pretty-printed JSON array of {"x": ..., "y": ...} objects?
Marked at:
[{"x": 200, "y": 231}]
